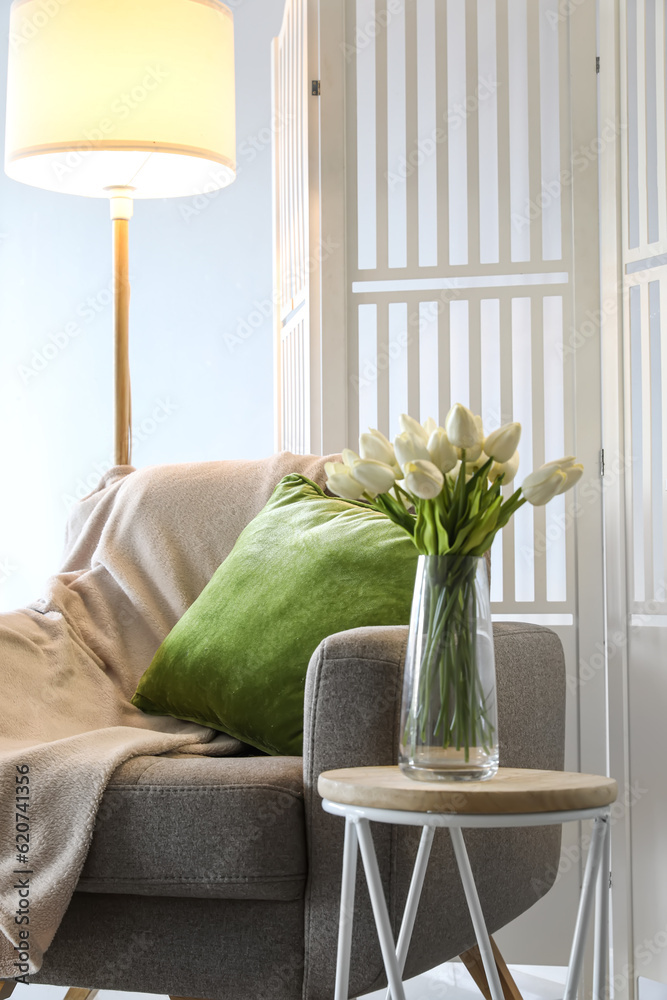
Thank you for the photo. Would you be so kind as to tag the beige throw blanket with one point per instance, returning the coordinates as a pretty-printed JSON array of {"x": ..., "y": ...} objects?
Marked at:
[{"x": 139, "y": 550}]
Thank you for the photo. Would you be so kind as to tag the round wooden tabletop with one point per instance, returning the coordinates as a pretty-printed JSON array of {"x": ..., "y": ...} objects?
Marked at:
[{"x": 512, "y": 790}]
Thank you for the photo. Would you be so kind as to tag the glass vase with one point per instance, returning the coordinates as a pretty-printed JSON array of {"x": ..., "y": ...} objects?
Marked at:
[{"x": 449, "y": 724}]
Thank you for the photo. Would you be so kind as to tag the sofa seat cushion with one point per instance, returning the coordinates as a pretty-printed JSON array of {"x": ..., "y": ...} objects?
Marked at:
[{"x": 181, "y": 825}]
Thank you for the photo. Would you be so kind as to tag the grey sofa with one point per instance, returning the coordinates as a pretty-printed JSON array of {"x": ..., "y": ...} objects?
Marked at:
[{"x": 220, "y": 877}]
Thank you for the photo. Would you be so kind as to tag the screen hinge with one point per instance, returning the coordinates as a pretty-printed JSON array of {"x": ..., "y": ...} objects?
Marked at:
[{"x": 315, "y": 88}]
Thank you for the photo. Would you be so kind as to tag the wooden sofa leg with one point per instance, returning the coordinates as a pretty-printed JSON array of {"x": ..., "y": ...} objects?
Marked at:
[
  {"x": 7, "y": 987},
  {"x": 80, "y": 993},
  {"x": 473, "y": 963}
]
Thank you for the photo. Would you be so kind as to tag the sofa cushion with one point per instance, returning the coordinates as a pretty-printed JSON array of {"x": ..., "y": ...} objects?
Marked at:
[
  {"x": 229, "y": 828},
  {"x": 308, "y": 566}
]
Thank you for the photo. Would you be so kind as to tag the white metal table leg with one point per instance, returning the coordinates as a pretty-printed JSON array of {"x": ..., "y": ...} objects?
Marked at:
[
  {"x": 478, "y": 922},
  {"x": 585, "y": 907},
  {"x": 378, "y": 901},
  {"x": 414, "y": 895},
  {"x": 346, "y": 915},
  {"x": 600, "y": 967}
]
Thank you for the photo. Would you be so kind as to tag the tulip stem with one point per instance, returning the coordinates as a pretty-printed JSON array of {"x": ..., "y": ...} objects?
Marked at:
[{"x": 450, "y": 710}]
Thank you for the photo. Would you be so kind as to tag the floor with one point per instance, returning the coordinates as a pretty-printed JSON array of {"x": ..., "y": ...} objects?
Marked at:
[
  {"x": 453, "y": 981},
  {"x": 535, "y": 983}
]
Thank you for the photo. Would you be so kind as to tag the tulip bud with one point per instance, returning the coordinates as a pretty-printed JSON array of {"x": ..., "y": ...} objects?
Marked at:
[
  {"x": 374, "y": 445},
  {"x": 411, "y": 426},
  {"x": 341, "y": 481},
  {"x": 423, "y": 479},
  {"x": 561, "y": 463},
  {"x": 374, "y": 476},
  {"x": 507, "y": 469},
  {"x": 462, "y": 428},
  {"x": 429, "y": 426},
  {"x": 443, "y": 454},
  {"x": 408, "y": 448},
  {"x": 501, "y": 444},
  {"x": 542, "y": 485},
  {"x": 473, "y": 454},
  {"x": 573, "y": 474}
]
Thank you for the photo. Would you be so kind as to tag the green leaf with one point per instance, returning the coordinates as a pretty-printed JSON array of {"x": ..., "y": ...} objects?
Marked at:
[
  {"x": 395, "y": 510},
  {"x": 485, "y": 525}
]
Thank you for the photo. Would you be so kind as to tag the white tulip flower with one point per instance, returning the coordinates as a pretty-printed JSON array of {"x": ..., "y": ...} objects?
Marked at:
[
  {"x": 374, "y": 445},
  {"x": 429, "y": 426},
  {"x": 473, "y": 454},
  {"x": 572, "y": 469},
  {"x": 502, "y": 444},
  {"x": 376, "y": 477},
  {"x": 573, "y": 474},
  {"x": 561, "y": 463},
  {"x": 462, "y": 428},
  {"x": 409, "y": 425},
  {"x": 507, "y": 469},
  {"x": 409, "y": 448},
  {"x": 341, "y": 481},
  {"x": 423, "y": 479},
  {"x": 442, "y": 452},
  {"x": 542, "y": 485}
]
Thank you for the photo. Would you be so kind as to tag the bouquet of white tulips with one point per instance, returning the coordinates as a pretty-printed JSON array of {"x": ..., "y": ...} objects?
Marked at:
[{"x": 443, "y": 486}]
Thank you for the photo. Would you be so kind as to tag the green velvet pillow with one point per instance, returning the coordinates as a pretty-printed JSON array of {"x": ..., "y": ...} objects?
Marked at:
[{"x": 309, "y": 565}]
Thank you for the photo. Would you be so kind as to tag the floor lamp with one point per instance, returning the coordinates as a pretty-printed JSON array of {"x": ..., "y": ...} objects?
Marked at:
[{"x": 121, "y": 99}]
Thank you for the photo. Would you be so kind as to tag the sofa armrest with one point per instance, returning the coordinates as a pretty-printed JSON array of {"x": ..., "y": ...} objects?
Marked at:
[
  {"x": 353, "y": 700},
  {"x": 352, "y": 718}
]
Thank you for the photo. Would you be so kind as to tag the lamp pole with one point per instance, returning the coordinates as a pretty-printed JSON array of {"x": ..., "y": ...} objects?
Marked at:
[{"x": 122, "y": 207}]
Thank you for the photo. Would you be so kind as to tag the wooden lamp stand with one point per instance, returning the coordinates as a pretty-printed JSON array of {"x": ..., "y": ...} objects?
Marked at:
[{"x": 122, "y": 208}]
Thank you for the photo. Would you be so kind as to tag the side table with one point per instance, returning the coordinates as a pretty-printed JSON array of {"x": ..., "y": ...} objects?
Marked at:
[{"x": 514, "y": 797}]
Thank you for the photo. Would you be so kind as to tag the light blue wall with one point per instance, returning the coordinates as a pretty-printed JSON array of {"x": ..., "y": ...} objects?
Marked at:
[{"x": 199, "y": 268}]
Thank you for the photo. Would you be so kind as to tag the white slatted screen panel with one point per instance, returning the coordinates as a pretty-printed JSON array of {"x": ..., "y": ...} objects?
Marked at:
[
  {"x": 460, "y": 244},
  {"x": 642, "y": 908},
  {"x": 645, "y": 299},
  {"x": 291, "y": 230}
]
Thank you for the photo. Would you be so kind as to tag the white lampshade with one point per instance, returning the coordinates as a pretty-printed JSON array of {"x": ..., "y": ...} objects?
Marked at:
[{"x": 121, "y": 93}]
